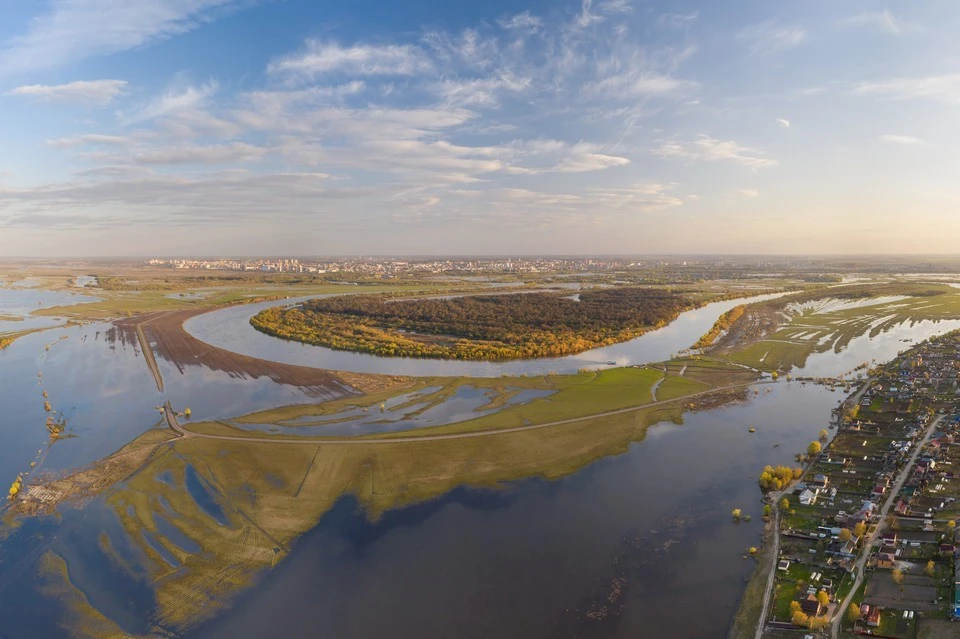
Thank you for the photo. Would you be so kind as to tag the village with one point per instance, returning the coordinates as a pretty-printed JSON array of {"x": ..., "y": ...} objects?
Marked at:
[{"x": 868, "y": 543}]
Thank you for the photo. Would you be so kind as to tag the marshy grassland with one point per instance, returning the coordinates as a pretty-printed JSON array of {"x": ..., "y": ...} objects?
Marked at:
[{"x": 780, "y": 334}]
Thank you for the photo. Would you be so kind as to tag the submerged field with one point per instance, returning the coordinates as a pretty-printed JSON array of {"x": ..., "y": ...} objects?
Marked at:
[
  {"x": 201, "y": 517},
  {"x": 778, "y": 336},
  {"x": 209, "y": 515}
]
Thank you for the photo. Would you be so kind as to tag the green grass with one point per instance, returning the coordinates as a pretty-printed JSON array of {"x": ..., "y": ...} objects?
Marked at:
[
  {"x": 115, "y": 304},
  {"x": 771, "y": 355},
  {"x": 784, "y": 594},
  {"x": 575, "y": 396},
  {"x": 801, "y": 517}
]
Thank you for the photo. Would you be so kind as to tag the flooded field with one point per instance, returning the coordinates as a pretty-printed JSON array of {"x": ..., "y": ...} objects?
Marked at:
[
  {"x": 609, "y": 544},
  {"x": 18, "y": 300},
  {"x": 410, "y": 410},
  {"x": 542, "y": 559}
]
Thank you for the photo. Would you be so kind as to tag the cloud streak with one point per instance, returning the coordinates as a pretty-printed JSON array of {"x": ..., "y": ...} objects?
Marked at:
[
  {"x": 321, "y": 58},
  {"x": 73, "y": 30},
  {"x": 769, "y": 37},
  {"x": 710, "y": 149},
  {"x": 883, "y": 21},
  {"x": 95, "y": 92},
  {"x": 943, "y": 88},
  {"x": 903, "y": 140}
]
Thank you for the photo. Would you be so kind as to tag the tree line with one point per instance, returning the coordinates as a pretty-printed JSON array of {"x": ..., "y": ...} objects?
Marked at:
[
  {"x": 482, "y": 327},
  {"x": 723, "y": 324}
]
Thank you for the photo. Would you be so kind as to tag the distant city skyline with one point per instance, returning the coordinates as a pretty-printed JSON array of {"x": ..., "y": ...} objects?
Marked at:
[{"x": 573, "y": 128}]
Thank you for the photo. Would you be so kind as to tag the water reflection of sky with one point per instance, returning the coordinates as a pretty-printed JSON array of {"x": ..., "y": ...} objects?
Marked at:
[
  {"x": 21, "y": 301},
  {"x": 230, "y": 329},
  {"x": 511, "y": 563},
  {"x": 403, "y": 412},
  {"x": 879, "y": 348},
  {"x": 519, "y": 562}
]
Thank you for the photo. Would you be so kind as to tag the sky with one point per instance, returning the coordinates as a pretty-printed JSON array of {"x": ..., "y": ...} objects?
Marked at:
[{"x": 439, "y": 127}]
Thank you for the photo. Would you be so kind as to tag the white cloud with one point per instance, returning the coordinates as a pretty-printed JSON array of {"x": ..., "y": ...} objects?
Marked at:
[
  {"x": 89, "y": 139},
  {"x": 678, "y": 20},
  {"x": 884, "y": 21},
  {"x": 72, "y": 30},
  {"x": 592, "y": 13},
  {"x": 783, "y": 122},
  {"x": 522, "y": 22},
  {"x": 588, "y": 207},
  {"x": 175, "y": 100},
  {"x": 806, "y": 92},
  {"x": 478, "y": 91},
  {"x": 646, "y": 197},
  {"x": 770, "y": 37},
  {"x": 637, "y": 83},
  {"x": 321, "y": 58},
  {"x": 710, "y": 149},
  {"x": 748, "y": 192},
  {"x": 906, "y": 140},
  {"x": 945, "y": 88},
  {"x": 216, "y": 154},
  {"x": 370, "y": 131},
  {"x": 96, "y": 92},
  {"x": 163, "y": 199},
  {"x": 556, "y": 156}
]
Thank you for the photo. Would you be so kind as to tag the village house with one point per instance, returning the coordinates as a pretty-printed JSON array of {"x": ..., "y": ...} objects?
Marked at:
[
  {"x": 820, "y": 481},
  {"x": 811, "y": 605},
  {"x": 886, "y": 560},
  {"x": 809, "y": 496}
]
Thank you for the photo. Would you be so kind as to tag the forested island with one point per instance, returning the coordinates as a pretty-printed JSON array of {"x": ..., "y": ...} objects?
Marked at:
[{"x": 481, "y": 327}]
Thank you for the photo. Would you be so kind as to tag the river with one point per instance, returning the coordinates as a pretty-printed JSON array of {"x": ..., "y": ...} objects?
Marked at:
[
  {"x": 648, "y": 529},
  {"x": 230, "y": 329}
]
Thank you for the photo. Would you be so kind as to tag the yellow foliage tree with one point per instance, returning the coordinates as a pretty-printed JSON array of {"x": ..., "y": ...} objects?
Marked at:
[
  {"x": 818, "y": 623},
  {"x": 800, "y": 619},
  {"x": 853, "y": 613}
]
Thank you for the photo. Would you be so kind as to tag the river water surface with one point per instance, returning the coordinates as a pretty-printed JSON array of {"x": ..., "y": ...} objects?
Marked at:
[
  {"x": 639, "y": 544},
  {"x": 230, "y": 329}
]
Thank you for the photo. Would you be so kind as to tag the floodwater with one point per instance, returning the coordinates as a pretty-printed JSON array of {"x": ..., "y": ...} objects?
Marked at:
[
  {"x": 650, "y": 527},
  {"x": 19, "y": 300},
  {"x": 230, "y": 329},
  {"x": 879, "y": 348},
  {"x": 403, "y": 412},
  {"x": 96, "y": 379},
  {"x": 534, "y": 559}
]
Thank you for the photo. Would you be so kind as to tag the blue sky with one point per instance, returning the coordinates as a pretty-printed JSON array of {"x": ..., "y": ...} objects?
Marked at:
[{"x": 184, "y": 127}]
